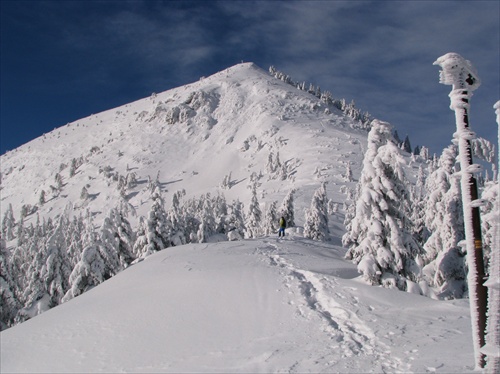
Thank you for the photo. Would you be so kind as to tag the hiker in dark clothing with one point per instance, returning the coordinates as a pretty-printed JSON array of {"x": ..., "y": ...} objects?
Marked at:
[{"x": 281, "y": 231}]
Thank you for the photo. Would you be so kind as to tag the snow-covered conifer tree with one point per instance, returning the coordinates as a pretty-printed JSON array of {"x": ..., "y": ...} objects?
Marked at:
[
  {"x": 378, "y": 237},
  {"x": 59, "y": 181},
  {"x": 348, "y": 173},
  {"x": 424, "y": 152},
  {"x": 41, "y": 199},
  {"x": 90, "y": 270},
  {"x": 271, "y": 219},
  {"x": 220, "y": 212},
  {"x": 316, "y": 220},
  {"x": 74, "y": 240},
  {"x": 287, "y": 208},
  {"x": 8, "y": 224},
  {"x": 177, "y": 219},
  {"x": 235, "y": 223},
  {"x": 141, "y": 238},
  {"x": 207, "y": 220},
  {"x": 34, "y": 295},
  {"x": 72, "y": 169},
  {"x": 131, "y": 179},
  {"x": 125, "y": 235},
  {"x": 254, "y": 216},
  {"x": 445, "y": 267},
  {"x": 156, "y": 229},
  {"x": 84, "y": 194},
  {"x": 56, "y": 270},
  {"x": 273, "y": 164},
  {"x": 109, "y": 246},
  {"x": 9, "y": 304}
]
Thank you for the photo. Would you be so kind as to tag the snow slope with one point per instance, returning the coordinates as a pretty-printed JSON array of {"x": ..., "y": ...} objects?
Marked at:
[
  {"x": 264, "y": 305},
  {"x": 191, "y": 137}
]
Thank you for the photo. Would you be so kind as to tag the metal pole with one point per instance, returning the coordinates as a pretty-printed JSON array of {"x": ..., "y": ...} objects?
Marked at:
[{"x": 459, "y": 73}]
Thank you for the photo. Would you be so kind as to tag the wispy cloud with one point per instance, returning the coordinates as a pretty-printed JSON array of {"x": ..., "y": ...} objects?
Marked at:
[{"x": 379, "y": 53}]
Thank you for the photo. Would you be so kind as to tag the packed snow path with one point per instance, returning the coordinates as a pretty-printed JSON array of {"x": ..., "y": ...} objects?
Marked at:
[
  {"x": 264, "y": 305},
  {"x": 323, "y": 298}
]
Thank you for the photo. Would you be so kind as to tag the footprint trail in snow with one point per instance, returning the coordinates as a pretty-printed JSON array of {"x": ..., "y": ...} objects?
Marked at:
[{"x": 321, "y": 296}]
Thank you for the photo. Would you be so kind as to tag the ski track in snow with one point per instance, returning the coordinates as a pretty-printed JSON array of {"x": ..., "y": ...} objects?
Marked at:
[{"x": 324, "y": 297}]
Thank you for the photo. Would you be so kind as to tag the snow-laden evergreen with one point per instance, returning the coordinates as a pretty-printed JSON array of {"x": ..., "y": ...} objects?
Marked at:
[
  {"x": 287, "y": 209},
  {"x": 379, "y": 239},
  {"x": 316, "y": 217},
  {"x": 254, "y": 215},
  {"x": 271, "y": 218},
  {"x": 445, "y": 267}
]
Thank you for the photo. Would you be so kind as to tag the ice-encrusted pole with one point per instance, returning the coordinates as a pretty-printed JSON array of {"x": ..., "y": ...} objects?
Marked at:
[{"x": 461, "y": 75}]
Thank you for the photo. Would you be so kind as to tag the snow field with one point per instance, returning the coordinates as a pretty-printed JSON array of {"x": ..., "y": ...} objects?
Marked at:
[{"x": 263, "y": 305}]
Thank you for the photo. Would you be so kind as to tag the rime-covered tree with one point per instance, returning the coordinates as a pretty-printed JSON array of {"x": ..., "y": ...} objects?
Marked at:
[
  {"x": 124, "y": 236},
  {"x": 74, "y": 240},
  {"x": 42, "y": 198},
  {"x": 84, "y": 194},
  {"x": 131, "y": 180},
  {"x": 9, "y": 304},
  {"x": 207, "y": 220},
  {"x": 34, "y": 258},
  {"x": 378, "y": 238},
  {"x": 271, "y": 219},
  {"x": 220, "y": 212},
  {"x": 424, "y": 153},
  {"x": 8, "y": 224},
  {"x": 141, "y": 238},
  {"x": 176, "y": 218},
  {"x": 271, "y": 165},
  {"x": 155, "y": 232},
  {"x": 445, "y": 267},
  {"x": 418, "y": 203},
  {"x": 254, "y": 217},
  {"x": 316, "y": 220},
  {"x": 235, "y": 222},
  {"x": 90, "y": 270},
  {"x": 287, "y": 208},
  {"x": 109, "y": 246},
  {"x": 348, "y": 173},
  {"x": 56, "y": 270},
  {"x": 72, "y": 168}
]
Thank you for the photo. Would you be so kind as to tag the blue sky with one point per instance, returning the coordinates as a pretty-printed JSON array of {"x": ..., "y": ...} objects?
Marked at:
[{"x": 64, "y": 60}]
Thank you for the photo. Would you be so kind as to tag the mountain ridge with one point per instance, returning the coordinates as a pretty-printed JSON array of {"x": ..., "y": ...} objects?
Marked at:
[{"x": 236, "y": 117}]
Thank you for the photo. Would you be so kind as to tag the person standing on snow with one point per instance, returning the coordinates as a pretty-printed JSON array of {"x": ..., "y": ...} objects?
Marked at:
[{"x": 281, "y": 231}]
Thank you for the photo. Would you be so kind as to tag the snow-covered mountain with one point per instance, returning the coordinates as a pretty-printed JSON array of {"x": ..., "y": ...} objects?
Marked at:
[{"x": 191, "y": 137}]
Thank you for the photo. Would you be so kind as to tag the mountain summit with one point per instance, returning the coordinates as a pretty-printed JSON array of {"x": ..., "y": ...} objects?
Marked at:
[{"x": 210, "y": 136}]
